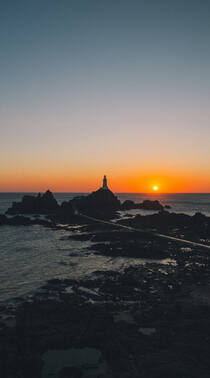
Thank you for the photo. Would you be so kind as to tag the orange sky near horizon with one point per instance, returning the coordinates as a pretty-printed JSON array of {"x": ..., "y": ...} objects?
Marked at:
[{"x": 63, "y": 180}]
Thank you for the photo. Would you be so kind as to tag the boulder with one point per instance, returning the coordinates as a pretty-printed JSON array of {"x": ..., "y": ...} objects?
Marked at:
[
  {"x": 41, "y": 204},
  {"x": 128, "y": 205},
  {"x": 150, "y": 205},
  {"x": 145, "y": 205}
]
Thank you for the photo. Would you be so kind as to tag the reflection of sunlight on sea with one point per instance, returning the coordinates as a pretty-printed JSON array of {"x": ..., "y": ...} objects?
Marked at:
[{"x": 31, "y": 255}]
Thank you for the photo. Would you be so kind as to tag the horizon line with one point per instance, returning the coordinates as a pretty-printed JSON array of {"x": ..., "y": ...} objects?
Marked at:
[{"x": 155, "y": 193}]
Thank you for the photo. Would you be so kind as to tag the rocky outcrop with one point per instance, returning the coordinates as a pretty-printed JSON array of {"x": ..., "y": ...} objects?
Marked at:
[
  {"x": 100, "y": 204},
  {"x": 65, "y": 213},
  {"x": 145, "y": 205},
  {"x": 150, "y": 205},
  {"x": 20, "y": 220},
  {"x": 194, "y": 227},
  {"x": 40, "y": 204},
  {"x": 162, "y": 221},
  {"x": 128, "y": 205}
]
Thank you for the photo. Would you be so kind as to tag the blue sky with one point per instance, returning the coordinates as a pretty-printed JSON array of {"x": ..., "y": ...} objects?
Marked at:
[{"x": 120, "y": 87}]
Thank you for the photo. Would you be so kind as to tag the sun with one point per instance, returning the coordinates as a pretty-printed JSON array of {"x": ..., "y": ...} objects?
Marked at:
[{"x": 155, "y": 188}]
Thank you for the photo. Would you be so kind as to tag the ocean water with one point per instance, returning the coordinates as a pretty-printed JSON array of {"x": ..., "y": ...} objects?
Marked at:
[
  {"x": 33, "y": 254},
  {"x": 188, "y": 203}
]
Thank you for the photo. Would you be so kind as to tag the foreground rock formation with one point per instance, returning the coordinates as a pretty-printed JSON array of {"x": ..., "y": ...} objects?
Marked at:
[
  {"x": 195, "y": 228},
  {"x": 40, "y": 204},
  {"x": 20, "y": 220},
  {"x": 148, "y": 321}
]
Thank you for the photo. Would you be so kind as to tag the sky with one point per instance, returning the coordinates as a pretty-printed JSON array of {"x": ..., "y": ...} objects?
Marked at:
[{"x": 115, "y": 87}]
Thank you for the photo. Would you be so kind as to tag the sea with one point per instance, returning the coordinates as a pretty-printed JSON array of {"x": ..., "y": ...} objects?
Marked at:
[{"x": 31, "y": 255}]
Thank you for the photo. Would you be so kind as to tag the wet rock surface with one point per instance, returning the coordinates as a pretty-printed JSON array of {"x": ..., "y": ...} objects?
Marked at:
[
  {"x": 130, "y": 249},
  {"x": 20, "y": 220},
  {"x": 120, "y": 243},
  {"x": 150, "y": 320}
]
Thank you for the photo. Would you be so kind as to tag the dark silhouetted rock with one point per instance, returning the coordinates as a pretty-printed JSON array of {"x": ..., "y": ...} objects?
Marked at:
[
  {"x": 65, "y": 213},
  {"x": 161, "y": 221},
  {"x": 128, "y": 205},
  {"x": 145, "y": 205},
  {"x": 67, "y": 207},
  {"x": 41, "y": 204},
  {"x": 99, "y": 204},
  {"x": 3, "y": 220},
  {"x": 20, "y": 220},
  {"x": 130, "y": 249},
  {"x": 150, "y": 205},
  {"x": 176, "y": 224},
  {"x": 198, "y": 218}
]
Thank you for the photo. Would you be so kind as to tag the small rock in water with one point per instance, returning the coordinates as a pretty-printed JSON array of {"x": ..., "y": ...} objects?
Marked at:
[{"x": 147, "y": 331}]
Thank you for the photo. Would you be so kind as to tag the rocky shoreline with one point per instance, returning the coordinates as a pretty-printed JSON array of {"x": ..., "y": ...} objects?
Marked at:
[{"x": 150, "y": 320}]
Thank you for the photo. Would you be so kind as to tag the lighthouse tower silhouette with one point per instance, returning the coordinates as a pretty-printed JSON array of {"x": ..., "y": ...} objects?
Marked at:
[{"x": 105, "y": 187}]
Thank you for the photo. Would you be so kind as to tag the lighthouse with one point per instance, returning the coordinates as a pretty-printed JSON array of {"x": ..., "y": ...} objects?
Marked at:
[{"x": 105, "y": 187}]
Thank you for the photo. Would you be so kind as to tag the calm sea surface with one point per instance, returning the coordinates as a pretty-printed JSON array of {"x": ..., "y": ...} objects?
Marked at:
[{"x": 33, "y": 254}]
